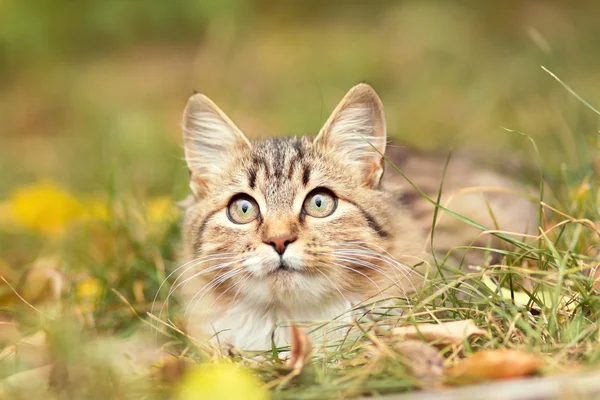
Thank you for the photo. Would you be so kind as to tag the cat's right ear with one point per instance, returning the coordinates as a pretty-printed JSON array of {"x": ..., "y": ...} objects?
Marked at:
[
  {"x": 356, "y": 133},
  {"x": 210, "y": 138}
]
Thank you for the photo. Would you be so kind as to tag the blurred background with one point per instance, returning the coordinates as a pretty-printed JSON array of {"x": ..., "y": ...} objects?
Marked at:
[{"x": 91, "y": 93}]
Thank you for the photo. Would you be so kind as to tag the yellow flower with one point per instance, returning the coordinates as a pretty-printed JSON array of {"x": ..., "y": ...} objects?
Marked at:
[
  {"x": 96, "y": 209},
  {"x": 89, "y": 289},
  {"x": 43, "y": 208},
  {"x": 160, "y": 210},
  {"x": 221, "y": 382}
]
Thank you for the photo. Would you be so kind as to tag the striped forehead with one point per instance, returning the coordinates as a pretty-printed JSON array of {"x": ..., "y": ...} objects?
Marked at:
[{"x": 279, "y": 168}]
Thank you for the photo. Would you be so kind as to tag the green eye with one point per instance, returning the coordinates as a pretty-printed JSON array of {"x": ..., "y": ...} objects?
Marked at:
[
  {"x": 242, "y": 209},
  {"x": 320, "y": 203}
]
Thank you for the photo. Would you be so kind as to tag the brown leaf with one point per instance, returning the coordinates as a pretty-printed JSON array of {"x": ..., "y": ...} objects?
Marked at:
[
  {"x": 21, "y": 383},
  {"x": 171, "y": 369},
  {"x": 422, "y": 360},
  {"x": 454, "y": 332},
  {"x": 42, "y": 283},
  {"x": 301, "y": 350},
  {"x": 495, "y": 365},
  {"x": 58, "y": 378},
  {"x": 30, "y": 350}
]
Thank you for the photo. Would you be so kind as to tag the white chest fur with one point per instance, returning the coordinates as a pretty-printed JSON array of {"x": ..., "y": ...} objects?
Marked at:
[{"x": 246, "y": 327}]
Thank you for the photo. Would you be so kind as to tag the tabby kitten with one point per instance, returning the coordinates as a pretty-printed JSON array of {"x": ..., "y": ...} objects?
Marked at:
[{"x": 306, "y": 228}]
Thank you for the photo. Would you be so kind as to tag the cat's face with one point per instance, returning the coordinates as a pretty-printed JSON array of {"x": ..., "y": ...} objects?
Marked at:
[{"x": 287, "y": 221}]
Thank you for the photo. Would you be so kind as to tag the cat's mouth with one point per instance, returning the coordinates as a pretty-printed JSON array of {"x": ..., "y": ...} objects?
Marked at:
[{"x": 284, "y": 267}]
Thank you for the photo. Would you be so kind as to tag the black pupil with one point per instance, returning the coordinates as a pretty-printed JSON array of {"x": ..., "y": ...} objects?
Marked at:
[
  {"x": 245, "y": 206},
  {"x": 318, "y": 201}
]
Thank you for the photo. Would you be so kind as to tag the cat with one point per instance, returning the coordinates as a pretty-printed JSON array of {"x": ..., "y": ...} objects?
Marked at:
[{"x": 288, "y": 229}]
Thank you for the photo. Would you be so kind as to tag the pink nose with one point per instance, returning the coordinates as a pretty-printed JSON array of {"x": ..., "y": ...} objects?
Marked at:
[{"x": 281, "y": 242}]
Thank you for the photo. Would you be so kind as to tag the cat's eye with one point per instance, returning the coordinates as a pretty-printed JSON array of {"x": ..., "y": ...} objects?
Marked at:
[
  {"x": 320, "y": 203},
  {"x": 242, "y": 209}
]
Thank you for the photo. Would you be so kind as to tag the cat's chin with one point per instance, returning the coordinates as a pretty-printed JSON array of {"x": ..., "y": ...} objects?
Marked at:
[
  {"x": 287, "y": 287},
  {"x": 280, "y": 272},
  {"x": 283, "y": 277},
  {"x": 283, "y": 269}
]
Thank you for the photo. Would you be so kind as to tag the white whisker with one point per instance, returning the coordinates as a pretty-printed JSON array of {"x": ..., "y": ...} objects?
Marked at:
[
  {"x": 395, "y": 265},
  {"x": 372, "y": 267},
  {"x": 238, "y": 284},
  {"x": 365, "y": 246},
  {"x": 334, "y": 286},
  {"x": 195, "y": 262},
  {"x": 358, "y": 272},
  {"x": 213, "y": 284},
  {"x": 195, "y": 275},
  {"x": 237, "y": 292}
]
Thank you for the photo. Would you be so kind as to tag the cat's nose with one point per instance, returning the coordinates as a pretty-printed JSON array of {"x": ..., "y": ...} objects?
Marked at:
[{"x": 281, "y": 242}]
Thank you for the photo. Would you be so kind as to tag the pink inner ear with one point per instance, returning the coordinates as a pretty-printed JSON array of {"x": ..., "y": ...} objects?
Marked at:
[
  {"x": 375, "y": 173},
  {"x": 198, "y": 184},
  {"x": 209, "y": 137},
  {"x": 189, "y": 201},
  {"x": 355, "y": 126}
]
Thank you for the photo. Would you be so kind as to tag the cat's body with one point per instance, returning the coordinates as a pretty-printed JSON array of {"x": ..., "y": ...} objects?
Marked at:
[{"x": 304, "y": 229}]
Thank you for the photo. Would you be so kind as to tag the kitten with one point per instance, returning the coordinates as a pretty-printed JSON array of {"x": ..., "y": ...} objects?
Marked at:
[{"x": 306, "y": 228}]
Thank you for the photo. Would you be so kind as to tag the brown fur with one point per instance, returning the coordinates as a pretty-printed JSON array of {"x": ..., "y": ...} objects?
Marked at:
[{"x": 372, "y": 241}]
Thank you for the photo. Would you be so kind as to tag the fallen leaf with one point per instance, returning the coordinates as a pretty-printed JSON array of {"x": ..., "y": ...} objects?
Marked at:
[
  {"x": 301, "y": 349},
  {"x": 423, "y": 361},
  {"x": 170, "y": 369},
  {"x": 58, "y": 378},
  {"x": 43, "y": 282},
  {"x": 20, "y": 384},
  {"x": 30, "y": 352},
  {"x": 454, "y": 332},
  {"x": 495, "y": 365}
]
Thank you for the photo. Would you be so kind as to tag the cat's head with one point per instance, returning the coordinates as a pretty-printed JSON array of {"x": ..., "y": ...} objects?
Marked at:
[{"x": 288, "y": 221}]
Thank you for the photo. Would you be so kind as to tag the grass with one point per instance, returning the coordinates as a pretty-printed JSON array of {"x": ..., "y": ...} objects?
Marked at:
[
  {"x": 542, "y": 297},
  {"x": 85, "y": 253}
]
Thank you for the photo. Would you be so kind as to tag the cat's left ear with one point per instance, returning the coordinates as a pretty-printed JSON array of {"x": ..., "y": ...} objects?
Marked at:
[
  {"x": 210, "y": 139},
  {"x": 356, "y": 132}
]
